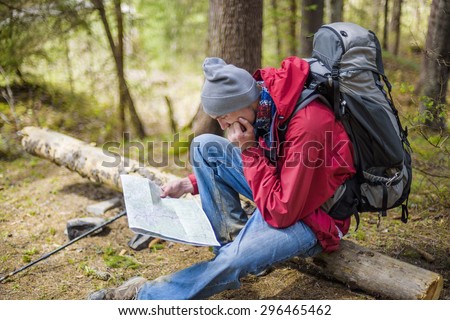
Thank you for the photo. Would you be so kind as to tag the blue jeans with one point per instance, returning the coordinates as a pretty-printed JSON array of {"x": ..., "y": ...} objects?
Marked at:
[{"x": 248, "y": 246}]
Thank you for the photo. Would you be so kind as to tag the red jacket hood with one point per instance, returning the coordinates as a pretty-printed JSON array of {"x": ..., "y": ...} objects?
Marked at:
[{"x": 285, "y": 84}]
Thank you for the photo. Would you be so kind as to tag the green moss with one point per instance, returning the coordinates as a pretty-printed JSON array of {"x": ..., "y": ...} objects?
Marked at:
[
  {"x": 27, "y": 255},
  {"x": 88, "y": 271},
  {"x": 52, "y": 231},
  {"x": 31, "y": 251},
  {"x": 410, "y": 253},
  {"x": 113, "y": 260},
  {"x": 360, "y": 235},
  {"x": 155, "y": 247},
  {"x": 4, "y": 217}
]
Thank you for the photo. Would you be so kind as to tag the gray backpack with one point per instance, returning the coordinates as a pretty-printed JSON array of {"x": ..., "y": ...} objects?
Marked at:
[{"x": 347, "y": 74}]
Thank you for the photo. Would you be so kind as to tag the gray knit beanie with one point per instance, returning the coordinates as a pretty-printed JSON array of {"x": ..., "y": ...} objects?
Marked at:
[{"x": 227, "y": 88}]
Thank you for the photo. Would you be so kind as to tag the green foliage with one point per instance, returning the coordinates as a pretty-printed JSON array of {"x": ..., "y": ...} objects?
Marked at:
[
  {"x": 27, "y": 27},
  {"x": 176, "y": 30},
  {"x": 312, "y": 7},
  {"x": 414, "y": 20},
  {"x": 4, "y": 258},
  {"x": 54, "y": 107},
  {"x": 432, "y": 112},
  {"x": 156, "y": 247},
  {"x": 27, "y": 255},
  {"x": 276, "y": 30},
  {"x": 406, "y": 88},
  {"x": 360, "y": 235},
  {"x": 92, "y": 272},
  {"x": 431, "y": 148},
  {"x": 31, "y": 251},
  {"x": 113, "y": 260},
  {"x": 431, "y": 167},
  {"x": 52, "y": 231}
]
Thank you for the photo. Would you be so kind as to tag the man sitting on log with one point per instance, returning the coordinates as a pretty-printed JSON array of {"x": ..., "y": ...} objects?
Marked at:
[{"x": 288, "y": 175}]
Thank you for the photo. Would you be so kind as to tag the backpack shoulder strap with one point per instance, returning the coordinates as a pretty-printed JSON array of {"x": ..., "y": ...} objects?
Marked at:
[{"x": 306, "y": 97}]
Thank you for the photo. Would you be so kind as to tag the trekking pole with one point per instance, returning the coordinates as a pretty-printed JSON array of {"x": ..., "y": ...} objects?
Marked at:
[{"x": 64, "y": 246}]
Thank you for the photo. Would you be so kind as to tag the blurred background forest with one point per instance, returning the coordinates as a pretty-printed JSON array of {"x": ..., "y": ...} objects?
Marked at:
[{"x": 96, "y": 69}]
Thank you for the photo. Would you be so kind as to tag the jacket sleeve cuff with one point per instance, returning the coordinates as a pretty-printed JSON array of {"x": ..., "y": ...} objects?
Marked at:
[{"x": 193, "y": 180}]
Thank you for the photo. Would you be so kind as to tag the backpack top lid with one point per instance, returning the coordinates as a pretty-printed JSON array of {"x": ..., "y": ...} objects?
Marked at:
[{"x": 347, "y": 46}]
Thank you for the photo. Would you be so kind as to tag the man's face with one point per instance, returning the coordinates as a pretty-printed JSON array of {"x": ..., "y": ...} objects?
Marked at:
[{"x": 248, "y": 113}]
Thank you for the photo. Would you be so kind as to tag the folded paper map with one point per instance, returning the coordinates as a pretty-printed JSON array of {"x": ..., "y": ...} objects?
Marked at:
[{"x": 179, "y": 220}]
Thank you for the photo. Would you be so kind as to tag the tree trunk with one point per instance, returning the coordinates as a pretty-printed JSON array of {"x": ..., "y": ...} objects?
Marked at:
[
  {"x": 203, "y": 123},
  {"x": 173, "y": 123},
  {"x": 118, "y": 52},
  {"x": 312, "y": 19},
  {"x": 376, "y": 16},
  {"x": 96, "y": 164},
  {"x": 125, "y": 98},
  {"x": 235, "y": 32},
  {"x": 137, "y": 124},
  {"x": 336, "y": 10},
  {"x": 395, "y": 25},
  {"x": 428, "y": 45},
  {"x": 437, "y": 72},
  {"x": 352, "y": 264},
  {"x": 293, "y": 27},
  {"x": 380, "y": 275},
  {"x": 276, "y": 24},
  {"x": 235, "y": 35},
  {"x": 385, "y": 25},
  {"x": 125, "y": 93},
  {"x": 69, "y": 64}
]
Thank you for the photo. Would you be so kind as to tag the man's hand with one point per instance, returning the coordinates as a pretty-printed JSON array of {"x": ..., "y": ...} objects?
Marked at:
[
  {"x": 177, "y": 188},
  {"x": 242, "y": 134}
]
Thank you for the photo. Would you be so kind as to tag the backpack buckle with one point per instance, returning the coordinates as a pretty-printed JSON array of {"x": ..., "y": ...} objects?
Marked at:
[
  {"x": 330, "y": 81},
  {"x": 335, "y": 73},
  {"x": 343, "y": 106},
  {"x": 395, "y": 177}
]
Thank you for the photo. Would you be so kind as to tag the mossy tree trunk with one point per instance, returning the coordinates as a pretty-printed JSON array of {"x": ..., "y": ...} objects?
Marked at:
[{"x": 435, "y": 70}]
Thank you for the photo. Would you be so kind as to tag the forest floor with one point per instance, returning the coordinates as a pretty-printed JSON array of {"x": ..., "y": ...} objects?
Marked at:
[{"x": 37, "y": 198}]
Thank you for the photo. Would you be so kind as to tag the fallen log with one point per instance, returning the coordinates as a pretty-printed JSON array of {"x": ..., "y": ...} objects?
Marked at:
[
  {"x": 96, "y": 164},
  {"x": 378, "y": 274},
  {"x": 356, "y": 266}
]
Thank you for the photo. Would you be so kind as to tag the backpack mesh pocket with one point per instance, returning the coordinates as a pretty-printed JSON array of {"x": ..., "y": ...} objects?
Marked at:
[{"x": 381, "y": 192}]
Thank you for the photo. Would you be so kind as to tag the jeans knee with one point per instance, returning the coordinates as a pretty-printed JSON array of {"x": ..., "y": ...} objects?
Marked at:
[
  {"x": 204, "y": 138},
  {"x": 226, "y": 256},
  {"x": 210, "y": 147}
]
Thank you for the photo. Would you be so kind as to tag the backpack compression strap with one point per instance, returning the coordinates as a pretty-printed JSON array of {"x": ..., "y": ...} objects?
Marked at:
[{"x": 334, "y": 83}]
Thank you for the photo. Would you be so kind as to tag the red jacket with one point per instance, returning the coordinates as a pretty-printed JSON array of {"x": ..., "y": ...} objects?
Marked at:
[{"x": 316, "y": 159}]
